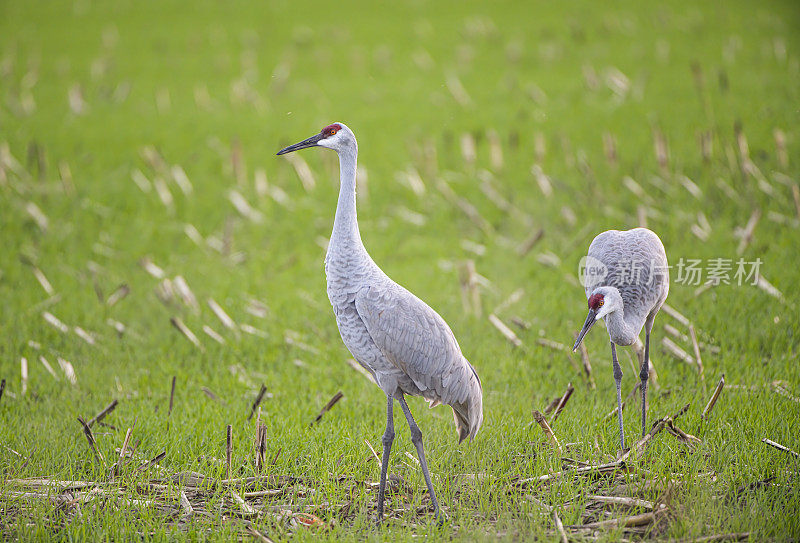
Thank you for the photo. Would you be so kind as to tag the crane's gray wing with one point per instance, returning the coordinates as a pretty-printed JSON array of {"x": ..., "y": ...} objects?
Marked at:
[
  {"x": 414, "y": 338},
  {"x": 636, "y": 265}
]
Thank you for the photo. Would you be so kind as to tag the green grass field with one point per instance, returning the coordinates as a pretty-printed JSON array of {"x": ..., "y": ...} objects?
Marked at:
[{"x": 479, "y": 124}]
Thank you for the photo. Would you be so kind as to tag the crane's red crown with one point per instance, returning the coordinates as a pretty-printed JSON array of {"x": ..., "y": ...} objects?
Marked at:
[
  {"x": 596, "y": 301},
  {"x": 331, "y": 129}
]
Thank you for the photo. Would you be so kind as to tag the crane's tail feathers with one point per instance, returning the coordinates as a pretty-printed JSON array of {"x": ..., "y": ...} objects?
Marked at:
[
  {"x": 468, "y": 414},
  {"x": 468, "y": 420},
  {"x": 462, "y": 423}
]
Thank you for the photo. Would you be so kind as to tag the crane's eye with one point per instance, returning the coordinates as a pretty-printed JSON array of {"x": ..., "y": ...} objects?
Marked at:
[
  {"x": 330, "y": 130},
  {"x": 600, "y": 304}
]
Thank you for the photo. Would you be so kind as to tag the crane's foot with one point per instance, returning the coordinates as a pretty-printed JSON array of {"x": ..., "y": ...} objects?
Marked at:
[
  {"x": 439, "y": 516},
  {"x": 379, "y": 516}
]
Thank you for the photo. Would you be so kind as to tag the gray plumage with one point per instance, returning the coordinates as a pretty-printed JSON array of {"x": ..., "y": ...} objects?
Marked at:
[
  {"x": 626, "y": 282},
  {"x": 636, "y": 265},
  {"x": 424, "y": 355},
  {"x": 403, "y": 343}
]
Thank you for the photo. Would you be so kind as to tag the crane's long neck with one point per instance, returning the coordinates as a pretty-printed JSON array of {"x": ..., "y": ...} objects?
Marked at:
[
  {"x": 618, "y": 328},
  {"x": 345, "y": 225}
]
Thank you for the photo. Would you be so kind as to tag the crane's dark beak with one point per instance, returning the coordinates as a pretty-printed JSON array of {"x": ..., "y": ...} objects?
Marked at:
[
  {"x": 590, "y": 320},
  {"x": 310, "y": 142}
]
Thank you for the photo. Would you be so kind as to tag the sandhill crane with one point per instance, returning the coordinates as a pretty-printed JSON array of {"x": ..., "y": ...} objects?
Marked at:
[
  {"x": 626, "y": 278},
  {"x": 406, "y": 346}
]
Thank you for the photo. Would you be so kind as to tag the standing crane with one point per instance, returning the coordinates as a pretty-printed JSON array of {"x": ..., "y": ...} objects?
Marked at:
[
  {"x": 403, "y": 343},
  {"x": 626, "y": 278}
]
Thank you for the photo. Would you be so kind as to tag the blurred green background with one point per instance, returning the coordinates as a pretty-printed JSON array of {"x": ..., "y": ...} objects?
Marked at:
[{"x": 478, "y": 125}]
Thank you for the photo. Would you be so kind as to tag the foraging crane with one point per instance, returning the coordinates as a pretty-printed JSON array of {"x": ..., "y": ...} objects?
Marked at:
[
  {"x": 403, "y": 343},
  {"x": 626, "y": 278}
]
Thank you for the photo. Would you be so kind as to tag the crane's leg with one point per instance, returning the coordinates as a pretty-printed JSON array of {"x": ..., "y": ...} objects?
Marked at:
[
  {"x": 416, "y": 439},
  {"x": 388, "y": 439},
  {"x": 618, "y": 381},
  {"x": 644, "y": 373}
]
